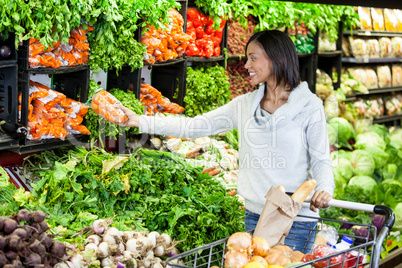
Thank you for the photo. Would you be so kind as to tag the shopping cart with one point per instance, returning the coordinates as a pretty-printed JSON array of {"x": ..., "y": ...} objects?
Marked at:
[{"x": 364, "y": 254}]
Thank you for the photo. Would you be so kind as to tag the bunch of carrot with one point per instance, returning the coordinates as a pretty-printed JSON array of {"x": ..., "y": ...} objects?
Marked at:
[
  {"x": 166, "y": 44},
  {"x": 205, "y": 39},
  {"x": 60, "y": 54},
  {"x": 106, "y": 105},
  {"x": 154, "y": 102},
  {"x": 52, "y": 115}
]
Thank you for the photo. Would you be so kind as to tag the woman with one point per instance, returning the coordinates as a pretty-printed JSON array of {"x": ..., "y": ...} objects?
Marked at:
[{"x": 283, "y": 138}]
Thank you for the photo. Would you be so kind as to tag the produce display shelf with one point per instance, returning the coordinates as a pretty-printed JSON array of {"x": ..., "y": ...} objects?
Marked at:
[
  {"x": 304, "y": 55},
  {"x": 372, "y": 33},
  {"x": 8, "y": 93},
  {"x": 7, "y": 142},
  {"x": 237, "y": 57},
  {"x": 393, "y": 259},
  {"x": 387, "y": 118},
  {"x": 205, "y": 59},
  {"x": 60, "y": 70},
  {"x": 10, "y": 42},
  {"x": 329, "y": 54},
  {"x": 380, "y": 91},
  {"x": 371, "y": 60},
  {"x": 166, "y": 63},
  {"x": 49, "y": 144}
]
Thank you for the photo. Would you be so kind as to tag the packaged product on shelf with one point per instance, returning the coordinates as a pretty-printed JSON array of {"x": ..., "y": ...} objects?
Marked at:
[
  {"x": 385, "y": 47},
  {"x": 375, "y": 108},
  {"x": 390, "y": 20},
  {"x": 324, "y": 44},
  {"x": 398, "y": 15},
  {"x": 372, "y": 78},
  {"x": 359, "y": 74},
  {"x": 396, "y": 46},
  {"x": 396, "y": 75},
  {"x": 384, "y": 76},
  {"x": 365, "y": 18},
  {"x": 374, "y": 48},
  {"x": 163, "y": 45},
  {"x": 393, "y": 105},
  {"x": 361, "y": 107},
  {"x": 377, "y": 19},
  {"x": 76, "y": 52},
  {"x": 154, "y": 102},
  {"x": 346, "y": 47},
  {"x": 359, "y": 47},
  {"x": 52, "y": 115}
]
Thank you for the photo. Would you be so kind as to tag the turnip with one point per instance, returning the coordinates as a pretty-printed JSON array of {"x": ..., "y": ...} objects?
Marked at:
[
  {"x": 20, "y": 232},
  {"x": 159, "y": 251},
  {"x": 110, "y": 239},
  {"x": 103, "y": 250},
  {"x": 9, "y": 226},
  {"x": 121, "y": 247},
  {"x": 77, "y": 260},
  {"x": 37, "y": 247},
  {"x": 150, "y": 254},
  {"x": 107, "y": 262},
  {"x": 152, "y": 236},
  {"x": 46, "y": 240},
  {"x": 173, "y": 252},
  {"x": 32, "y": 259},
  {"x": 58, "y": 249},
  {"x": 23, "y": 215},
  {"x": 165, "y": 240},
  {"x": 64, "y": 264},
  {"x": 38, "y": 216},
  {"x": 91, "y": 247},
  {"x": 157, "y": 265},
  {"x": 127, "y": 235},
  {"x": 99, "y": 226},
  {"x": 131, "y": 246},
  {"x": 96, "y": 239}
]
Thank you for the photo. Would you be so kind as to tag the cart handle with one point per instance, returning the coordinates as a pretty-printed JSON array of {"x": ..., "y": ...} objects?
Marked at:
[{"x": 377, "y": 209}]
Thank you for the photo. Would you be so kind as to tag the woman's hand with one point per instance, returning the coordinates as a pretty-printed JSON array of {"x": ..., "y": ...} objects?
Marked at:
[
  {"x": 133, "y": 118},
  {"x": 320, "y": 200}
]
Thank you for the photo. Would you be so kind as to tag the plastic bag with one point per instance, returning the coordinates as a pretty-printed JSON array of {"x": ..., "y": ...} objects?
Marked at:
[
  {"x": 384, "y": 76},
  {"x": 385, "y": 47},
  {"x": 105, "y": 104},
  {"x": 377, "y": 19},
  {"x": 390, "y": 20},
  {"x": 365, "y": 18},
  {"x": 396, "y": 43},
  {"x": 396, "y": 75}
]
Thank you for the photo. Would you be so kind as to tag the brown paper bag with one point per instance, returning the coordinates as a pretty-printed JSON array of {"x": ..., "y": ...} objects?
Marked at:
[{"x": 277, "y": 217}]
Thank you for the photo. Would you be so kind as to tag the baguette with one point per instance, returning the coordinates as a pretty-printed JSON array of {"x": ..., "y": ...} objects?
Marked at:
[{"x": 304, "y": 190}]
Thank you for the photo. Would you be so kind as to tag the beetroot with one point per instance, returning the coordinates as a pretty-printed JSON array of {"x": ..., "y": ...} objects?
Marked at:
[
  {"x": 46, "y": 240},
  {"x": 11, "y": 255},
  {"x": 43, "y": 226},
  {"x": 23, "y": 215},
  {"x": 2, "y": 242},
  {"x": 38, "y": 216},
  {"x": 9, "y": 226},
  {"x": 37, "y": 247},
  {"x": 13, "y": 242},
  {"x": 20, "y": 232},
  {"x": 32, "y": 260},
  {"x": 2, "y": 220},
  {"x": 3, "y": 259},
  {"x": 58, "y": 249},
  {"x": 17, "y": 264}
]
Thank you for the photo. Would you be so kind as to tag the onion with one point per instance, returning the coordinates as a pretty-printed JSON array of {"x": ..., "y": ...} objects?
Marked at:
[
  {"x": 99, "y": 226},
  {"x": 96, "y": 239},
  {"x": 260, "y": 246},
  {"x": 236, "y": 259},
  {"x": 240, "y": 242},
  {"x": 259, "y": 259}
]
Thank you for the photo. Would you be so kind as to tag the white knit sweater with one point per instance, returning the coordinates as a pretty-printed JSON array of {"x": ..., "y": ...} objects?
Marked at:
[{"x": 285, "y": 148}]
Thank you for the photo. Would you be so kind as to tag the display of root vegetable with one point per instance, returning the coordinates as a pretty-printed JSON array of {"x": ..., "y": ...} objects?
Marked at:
[
  {"x": 238, "y": 36},
  {"x": 25, "y": 242},
  {"x": 109, "y": 247},
  {"x": 238, "y": 78}
]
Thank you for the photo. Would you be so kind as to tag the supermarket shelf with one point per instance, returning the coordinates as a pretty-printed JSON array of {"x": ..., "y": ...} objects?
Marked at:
[
  {"x": 370, "y": 60},
  {"x": 60, "y": 70},
  {"x": 236, "y": 57},
  {"x": 372, "y": 33},
  {"x": 330, "y": 53},
  {"x": 205, "y": 59},
  {"x": 393, "y": 259},
  {"x": 165, "y": 63},
  {"x": 387, "y": 118},
  {"x": 304, "y": 55},
  {"x": 7, "y": 142},
  {"x": 42, "y": 145},
  {"x": 380, "y": 91}
]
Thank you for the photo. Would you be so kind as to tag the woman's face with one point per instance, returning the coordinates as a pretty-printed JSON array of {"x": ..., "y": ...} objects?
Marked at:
[{"x": 258, "y": 64}]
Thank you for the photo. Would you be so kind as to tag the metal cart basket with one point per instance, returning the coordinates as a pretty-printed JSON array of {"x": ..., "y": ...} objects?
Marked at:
[{"x": 366, "y": 253}]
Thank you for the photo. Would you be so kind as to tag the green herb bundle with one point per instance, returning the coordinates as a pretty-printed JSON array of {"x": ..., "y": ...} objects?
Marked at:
[{"x": 207, "y": 88}]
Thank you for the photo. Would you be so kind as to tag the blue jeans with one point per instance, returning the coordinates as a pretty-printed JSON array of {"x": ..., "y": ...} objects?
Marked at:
[{"x": 301, "y": 236}]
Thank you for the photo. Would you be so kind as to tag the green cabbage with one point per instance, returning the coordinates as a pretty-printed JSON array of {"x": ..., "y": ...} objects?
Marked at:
[
  {"x": 344, "y": 129},
  {"x": 367, "y": 183},
  {"x": 396, "y": 138},
  {"x": 331, "y": 134},
  {"x": 362, "y": 162},
  {"x": 345, "y": 167},
  {"x": 381, "y": 130},
  {"x": 398, "y": 217},
  {"x": 340, "y": 183},
  {"x": 369, "y": 139},
  {"x": 380, "y": 156}
]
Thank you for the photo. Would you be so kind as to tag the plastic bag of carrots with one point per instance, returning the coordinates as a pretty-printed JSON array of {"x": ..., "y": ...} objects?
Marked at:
[
  {"x": 106, "y": 105},
  {"x": 52, "y": 115},
  {"x": 154, "y": 102}
]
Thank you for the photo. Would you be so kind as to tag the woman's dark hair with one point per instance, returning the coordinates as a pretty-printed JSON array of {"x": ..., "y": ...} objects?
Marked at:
[{"x": 282, "y": 53}]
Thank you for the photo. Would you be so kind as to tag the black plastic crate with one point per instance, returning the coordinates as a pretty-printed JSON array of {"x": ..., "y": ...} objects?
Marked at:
[
  {"x": 8, "y": 93},
  {"x": 170, "y": 80},
  {"x": 125, "y": 79},
  {"x": 10, "y": 42}
]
